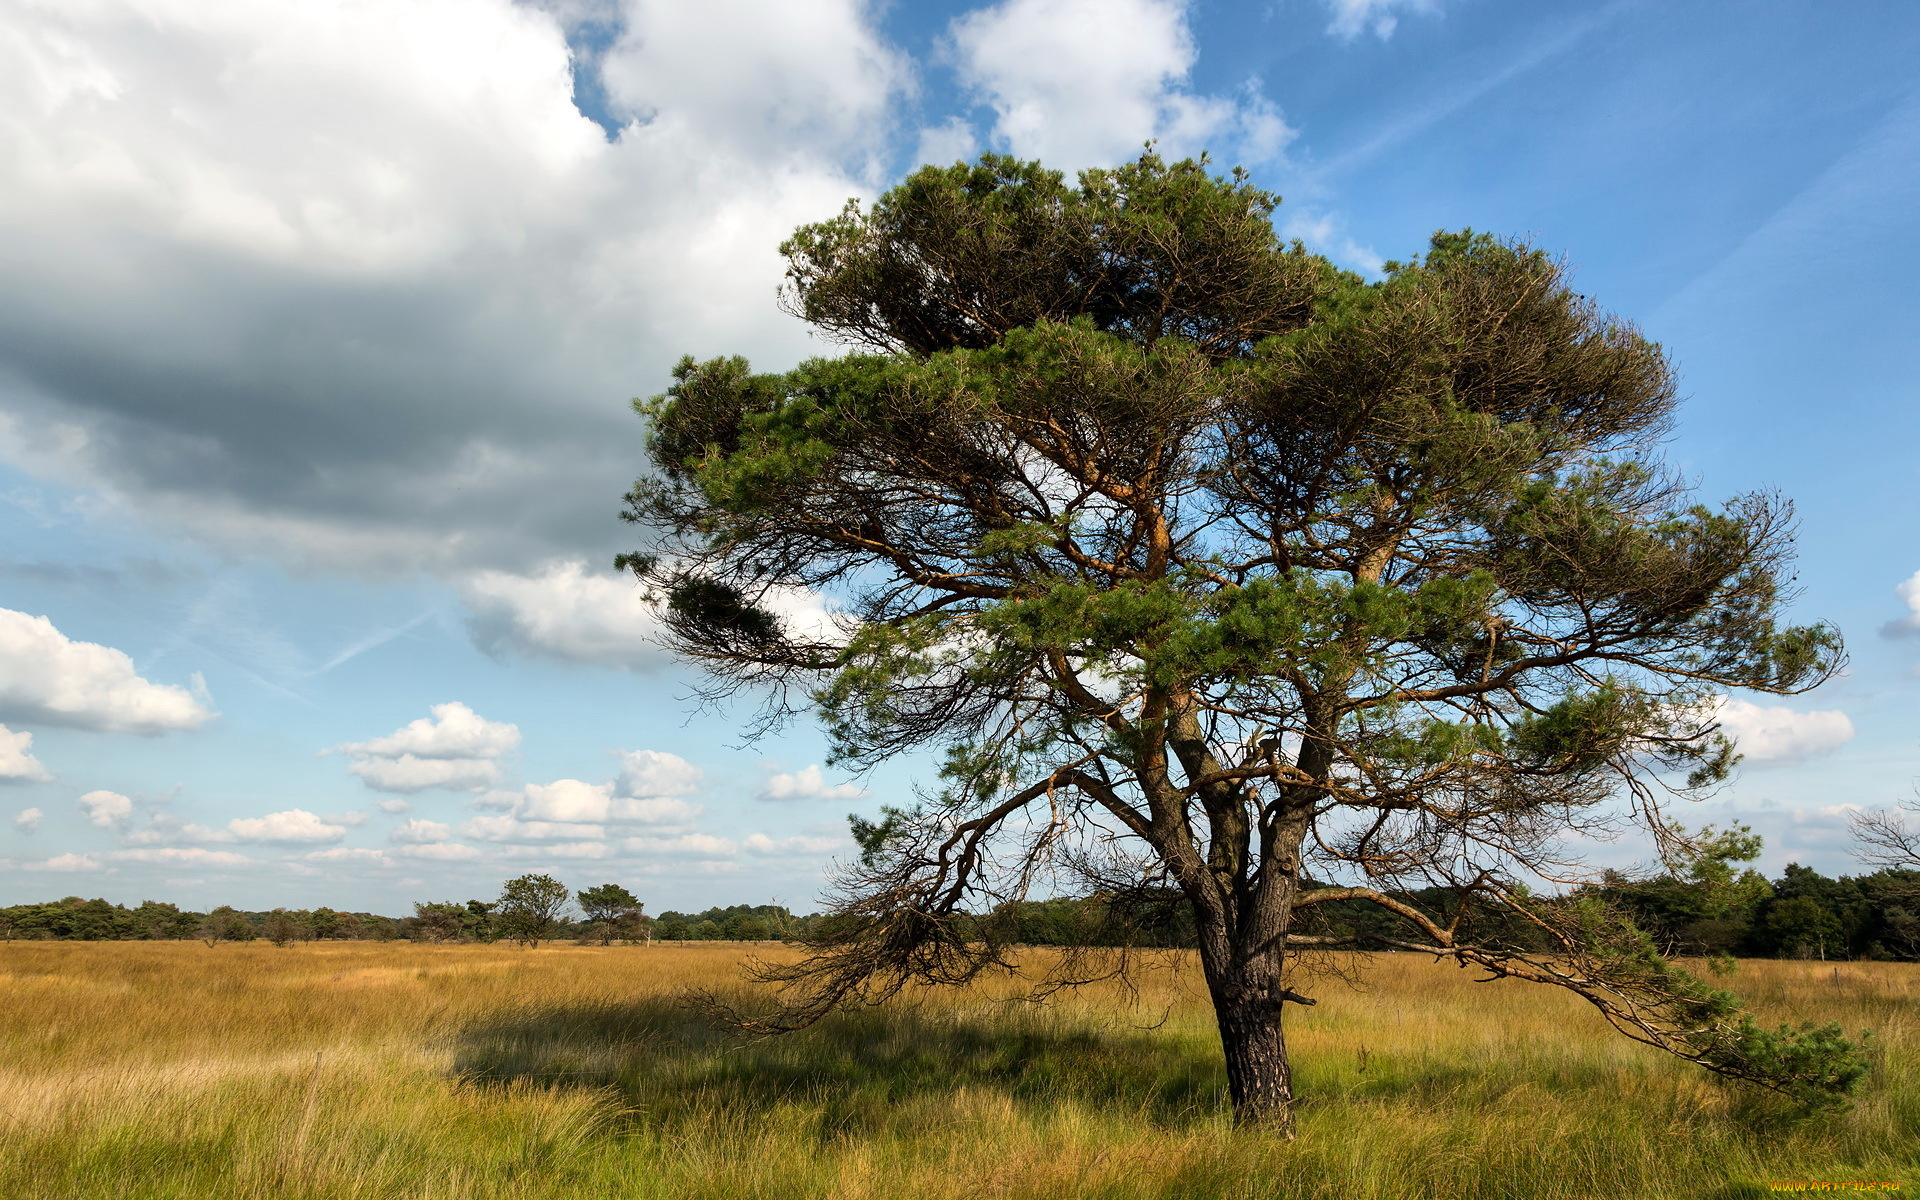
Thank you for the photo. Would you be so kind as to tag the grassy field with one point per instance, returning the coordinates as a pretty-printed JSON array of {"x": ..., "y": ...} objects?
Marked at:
[{"x": 397, "y": 1070}]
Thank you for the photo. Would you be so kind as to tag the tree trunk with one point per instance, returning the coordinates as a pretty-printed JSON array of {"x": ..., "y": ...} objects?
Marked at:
[{"x": 1259, "y": 1076}]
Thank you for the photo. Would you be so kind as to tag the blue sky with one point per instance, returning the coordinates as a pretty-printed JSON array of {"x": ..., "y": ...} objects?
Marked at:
[{"x": 317, "y": 328}]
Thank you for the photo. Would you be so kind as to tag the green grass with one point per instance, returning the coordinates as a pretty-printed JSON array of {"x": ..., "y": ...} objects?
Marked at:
[{"x": 362, "y": 1070}]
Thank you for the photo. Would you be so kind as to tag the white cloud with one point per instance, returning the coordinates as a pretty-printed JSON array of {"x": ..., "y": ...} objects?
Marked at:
[
  {"x": 17, "y": 763},
  {"x": 566, "y": 800},
  {"x": 395, "y": 807},
  {"x": 408, "y": 773},
  {"x": 1351, "y": 18},
  {"x": 47, "y": 678},
  {"x": 645, "y": 773},
  {"x": 760, "y": 843},
  {"x": 420, "y": 832},
  {"x": 1908, "y": 626},
  {"x": 808, "y": 783},
  {"x": 566, "y": 612},
  {"x": 1084, "y": 82},
  {"x": 182, "y": 855},
  {"x": 514, "y": 829},
  {"x": 349, "y": 854},
  {"x": 293, "y": 825},
  {"x": 235, "y": 231},
  {"x": 106, "y": 809},
  {"x": 659, "y": 811},
  {"x": 1776, "y": 734},
  {"x": 454, "y": 749},
  {"x": 438, "y": 852},
  {"x": 28, "y": 820},
  {"x": 67, "y": 862},
  {"x": 694, "y": 844}
]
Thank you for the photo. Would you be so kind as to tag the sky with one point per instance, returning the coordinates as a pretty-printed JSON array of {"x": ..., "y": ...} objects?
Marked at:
[{"x": 319, "y": 320}]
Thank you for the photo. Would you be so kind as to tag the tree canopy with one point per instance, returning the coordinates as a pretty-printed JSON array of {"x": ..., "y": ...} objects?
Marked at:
[{"x": 1212, "y": 567}]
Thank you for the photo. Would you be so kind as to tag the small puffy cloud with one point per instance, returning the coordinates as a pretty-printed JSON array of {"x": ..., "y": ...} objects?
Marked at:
[
  {"x": 1085, "y": 82},
  {"x": 67, "y": 863},
  {"x": 1908, "y": 626},
  {"x": 420, "y": 832},
  {"x": 17, "y": 763},
  {"x": 453, "y": 731},
  {"x": 453, "y": 749},
  {"x": 646, "y": 773},
  {"x": 28, "y": 820},
  {"x": 565, "y": 800},
  {"x": 293, "y": 825},
  {"x": 808, "y": 783},
  {"x": 106, "y": 809},
  {"x": 563, "y": 611},
  {"x": 1351, "y": 18},
  {"x": 47, "y": 678},
  {"x": 395, "y": 807},
  {"x": 1775, "y": 734},
  {"x": 560, "y": 850}
]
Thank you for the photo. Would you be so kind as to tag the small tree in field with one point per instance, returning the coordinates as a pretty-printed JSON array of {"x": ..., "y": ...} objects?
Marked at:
[
  {"x": 442, "y": 922},
  {"x": 1223, "y": 573},
  {"x": 225, "y": 924},
  {"x": 530, "y": 908},
  {"x": 611, "y": 908},
  {"x": 281, "y": 928}
]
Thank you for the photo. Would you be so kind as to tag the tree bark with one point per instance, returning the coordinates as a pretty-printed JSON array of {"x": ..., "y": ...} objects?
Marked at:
[{"x": 1247, "y": 1003}]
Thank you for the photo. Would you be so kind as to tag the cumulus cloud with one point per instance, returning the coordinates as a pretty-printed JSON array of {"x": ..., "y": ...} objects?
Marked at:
[
  {"x": 1908, "y": 626},
  {"x": 454, "y": 749},
  {"x": 649, "y": 773},
  {"x": 49, "y": 679},
  {"x": 106, "y": 809},
  {"x": 438, "y": 852},
  {"x": 241, "y": 297},
  {"x": 1085, "y": 82},
  {"x": 1351, "y": 18},
  {"x": 420, "y": 832},
  {"x": 566, "y": 612},
  {"x": 293, "y": 825},
  {"x": 1775, "y": 734},
  {"x": 67, "y": 863},
  {"x": 28, "y": 820},
  {"x": 808, "y": 783},
  {"x": 17, "y": 763}
]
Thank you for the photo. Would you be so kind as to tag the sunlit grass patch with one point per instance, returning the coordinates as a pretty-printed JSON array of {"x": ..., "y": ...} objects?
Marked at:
[{"x": 368, "y": 1070}]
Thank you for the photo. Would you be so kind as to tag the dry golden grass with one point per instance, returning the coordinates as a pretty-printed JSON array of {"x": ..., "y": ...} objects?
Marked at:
[{"x": 397, "y": 1070}]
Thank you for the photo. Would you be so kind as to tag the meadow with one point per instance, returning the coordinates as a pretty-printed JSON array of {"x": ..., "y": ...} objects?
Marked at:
[{"x": 374, "y": 1070}]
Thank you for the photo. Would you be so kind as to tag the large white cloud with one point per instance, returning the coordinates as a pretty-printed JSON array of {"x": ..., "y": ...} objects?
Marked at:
[
  {"x": 1083, "y": 82},
  {"x": 649, "y": 792},
  {"x": 47, "y": 678},
  {"x": 17, "y": 763},
  {"x": 1776, "y": 734},
  {"x": 455, "y": 748},
  {"x": 356, "y": 284},
  {"x": 649, "y": 773}
]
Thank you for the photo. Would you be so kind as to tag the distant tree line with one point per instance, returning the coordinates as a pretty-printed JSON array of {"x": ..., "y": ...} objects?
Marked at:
[{"x": 1703, "y": 905}]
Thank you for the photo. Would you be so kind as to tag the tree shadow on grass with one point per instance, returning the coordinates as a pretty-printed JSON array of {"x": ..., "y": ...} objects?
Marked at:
[{"x": 853, "y": 1068}]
